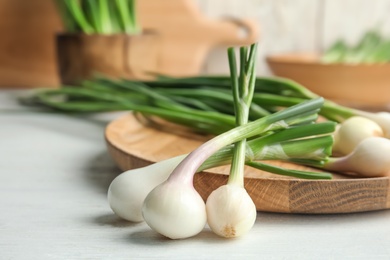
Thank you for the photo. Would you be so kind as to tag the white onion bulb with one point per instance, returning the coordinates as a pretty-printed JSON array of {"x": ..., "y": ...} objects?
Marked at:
[
  {"x": 381, "y": 118},
  {"x": 371, "y": 158},
  {"x": 230, "y": 211},
  {"x": 175, "y": 210},
  {"x": 352, "y": 131},
  {"x": 128, "y": 190}
]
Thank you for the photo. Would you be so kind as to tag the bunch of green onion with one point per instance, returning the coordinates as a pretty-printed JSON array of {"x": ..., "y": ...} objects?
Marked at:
[
  {"x": 163, "y": 194},
  {"x": 371, "y": 48},
  {"x": 264, "y": 119},
  {"x": 204, "y": 110},
  {"x": 99, "y": 16},
  {"x": 205, "y": 105}
]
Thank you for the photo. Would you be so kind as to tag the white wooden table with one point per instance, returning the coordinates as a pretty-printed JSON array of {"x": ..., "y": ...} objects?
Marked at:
[{"x": 55, "y": 172}]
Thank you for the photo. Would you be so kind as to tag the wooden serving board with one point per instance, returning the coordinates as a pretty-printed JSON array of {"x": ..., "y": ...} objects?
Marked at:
[{"x": 133, "y": 144}]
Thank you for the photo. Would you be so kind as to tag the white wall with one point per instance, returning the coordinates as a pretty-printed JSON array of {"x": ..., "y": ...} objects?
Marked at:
[{"x": 298, "y": 25}]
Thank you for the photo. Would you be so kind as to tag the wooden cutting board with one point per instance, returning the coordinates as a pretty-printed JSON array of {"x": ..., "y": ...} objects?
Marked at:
[{"x": 133, "y": 144}]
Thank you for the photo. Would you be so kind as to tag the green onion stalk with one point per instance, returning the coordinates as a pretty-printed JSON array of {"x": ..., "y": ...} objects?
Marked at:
[
  {"x": 99, "y": 16},
  {"x": 230, "y": 210},
  {"x": 208, "y": 100},
  {"x": 97, "y": 96},
  {"x": 301, "y": 114}
]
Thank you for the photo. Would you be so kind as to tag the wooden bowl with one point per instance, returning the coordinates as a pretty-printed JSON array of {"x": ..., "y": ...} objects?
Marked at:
[{"x": 358, "y": 85}]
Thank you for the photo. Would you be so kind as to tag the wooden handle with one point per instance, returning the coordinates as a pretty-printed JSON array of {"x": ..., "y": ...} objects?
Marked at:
[{"x": 233, "y": 31}]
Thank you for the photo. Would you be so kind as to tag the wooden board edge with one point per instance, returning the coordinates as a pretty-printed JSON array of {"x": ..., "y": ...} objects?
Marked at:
[{"x": 290, "y": 193}]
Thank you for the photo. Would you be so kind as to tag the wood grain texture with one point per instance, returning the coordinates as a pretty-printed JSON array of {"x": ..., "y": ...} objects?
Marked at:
[
  {"x": 27, "y": 49},
  {"x": 357, "y": 85},
  {"x": 133, "y": 144},
  {"x": 81, "y": 56}
]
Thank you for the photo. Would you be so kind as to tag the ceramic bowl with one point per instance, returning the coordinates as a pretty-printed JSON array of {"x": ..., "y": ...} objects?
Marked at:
[{"x": 359, "y": 85}]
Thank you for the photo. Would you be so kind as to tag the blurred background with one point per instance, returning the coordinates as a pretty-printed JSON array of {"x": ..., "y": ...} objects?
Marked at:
[{"x": 28, "y": 29}]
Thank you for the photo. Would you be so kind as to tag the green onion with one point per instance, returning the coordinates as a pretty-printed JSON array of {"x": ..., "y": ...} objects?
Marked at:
[
  {"x": 371, "y": 48},
  {"x": 75, "y": 11},
  {"x": 99, "y": 16},
  {"x": 230, "y": 210},
  {"x": 368, "y": 159},
  {"x": 209, "y": 97}
]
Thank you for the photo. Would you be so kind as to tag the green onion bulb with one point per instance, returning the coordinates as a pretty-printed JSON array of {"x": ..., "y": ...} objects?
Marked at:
[
  {"x": 230, "y": 211},
  {"x": 371, "y": 158},
  {"x": 352, "y": 131}
]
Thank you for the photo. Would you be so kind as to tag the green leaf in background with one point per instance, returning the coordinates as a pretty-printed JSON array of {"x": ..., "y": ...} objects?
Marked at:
[
  {"x": 381, "y": 53},
  {"x": 69, "y": 23},
  {"x": 75, "y": 11},
  {"x": 98, "y": 16},
  {"x": 372, "y": 48},
  {"x": 93, "y": 15},
  {"x": 335, "y": 53},
  {"x": 367, "y": 45}
]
